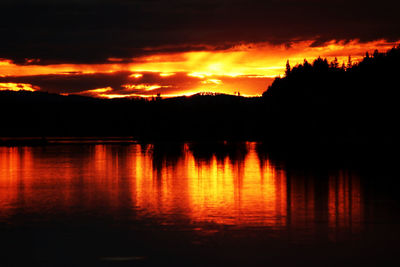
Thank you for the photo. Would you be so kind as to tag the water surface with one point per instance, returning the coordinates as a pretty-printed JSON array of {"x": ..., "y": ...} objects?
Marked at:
[{"x": 222, "y": 204}]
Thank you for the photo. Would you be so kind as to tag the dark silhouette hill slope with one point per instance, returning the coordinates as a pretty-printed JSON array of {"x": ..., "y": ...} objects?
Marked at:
[{"x": 322, "y": 102}]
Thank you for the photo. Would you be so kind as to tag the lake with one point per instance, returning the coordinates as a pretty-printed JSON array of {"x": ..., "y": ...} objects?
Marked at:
[{"x": 196, "y": 204}]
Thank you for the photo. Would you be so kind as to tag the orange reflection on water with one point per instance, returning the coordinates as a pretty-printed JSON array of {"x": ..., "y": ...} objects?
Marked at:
[
  {"x": 175, "y": 184},
  {"x": 242, "y": 192},
  {"x": 302, "y": 202},
  {"x": 158, "y": 188},
  {"x": 345, "y": 206},
  {"x": 219, "y": 191},
  {"x": 15, "y": 177}
]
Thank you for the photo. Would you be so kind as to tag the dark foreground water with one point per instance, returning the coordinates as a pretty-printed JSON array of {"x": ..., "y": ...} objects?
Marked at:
[{"x": 194, "y": 205}]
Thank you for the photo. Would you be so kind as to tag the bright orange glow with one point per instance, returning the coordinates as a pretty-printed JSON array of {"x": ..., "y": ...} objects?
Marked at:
[
  {"x": 100, "y": 90},
  {"x": 17, "y": 87},
  {"x": 136, "y": 75},
  {"x": 166, "y": 74},
  {"x": 145, "y": 87},
  {"x": 263, "y": 60},
  {"x": 95, "y": 92},
  {"x": 243, "y": 191},
  {"x": 111, "y": 96},
  {"x": 247, "y": 68},
  {"x": 212, "y": 81}
]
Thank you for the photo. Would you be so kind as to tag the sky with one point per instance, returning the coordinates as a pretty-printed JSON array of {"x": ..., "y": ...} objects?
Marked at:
[{"x": 124, "y": 48}]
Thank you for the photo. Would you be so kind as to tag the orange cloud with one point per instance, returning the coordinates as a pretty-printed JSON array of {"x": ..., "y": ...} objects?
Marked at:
[
  {"x": 145, "y": 87},
  {"x": 166, "y": 74},
  {"x": 95, "y": 92},
  {"x": 17, "y": 87},
  {"x": 136, "y": 75}
]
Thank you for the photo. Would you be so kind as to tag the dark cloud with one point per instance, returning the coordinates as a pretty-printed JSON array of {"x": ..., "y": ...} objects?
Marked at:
[{"x": 88, "y": 31}]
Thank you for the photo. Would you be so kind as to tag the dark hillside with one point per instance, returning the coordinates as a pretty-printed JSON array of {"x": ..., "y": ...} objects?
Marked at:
[{"x": 326, "y": 103}]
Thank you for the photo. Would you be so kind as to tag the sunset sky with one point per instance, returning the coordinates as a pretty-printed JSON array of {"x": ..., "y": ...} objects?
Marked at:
[{"x": 143, "y": 47}]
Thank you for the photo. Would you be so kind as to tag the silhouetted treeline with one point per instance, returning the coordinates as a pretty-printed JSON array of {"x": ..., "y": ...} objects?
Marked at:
[
  {"x": 315, "y": 103},
  {"x": 324, "y": 102}
]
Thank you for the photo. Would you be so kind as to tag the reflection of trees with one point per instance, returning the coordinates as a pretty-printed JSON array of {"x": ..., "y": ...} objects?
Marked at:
[
  {"x": 234, "y": 151},
  {"x": 166, "y": 154}
]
